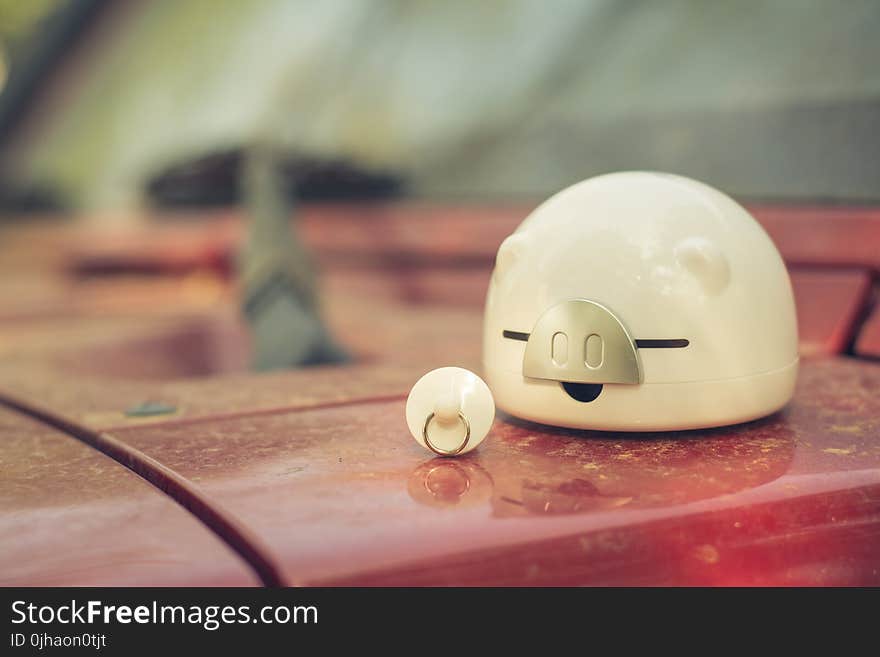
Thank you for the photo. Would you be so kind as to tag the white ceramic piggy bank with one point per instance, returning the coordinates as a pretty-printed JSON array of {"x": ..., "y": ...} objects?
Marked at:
[{"x": 640, "y": 302}]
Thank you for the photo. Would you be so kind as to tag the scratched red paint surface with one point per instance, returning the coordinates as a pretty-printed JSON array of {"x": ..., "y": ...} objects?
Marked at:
[
  {"x": 319, "y": 466},
  {"x": 72, "y": 516},
  {"x": 343, "y": 495}
]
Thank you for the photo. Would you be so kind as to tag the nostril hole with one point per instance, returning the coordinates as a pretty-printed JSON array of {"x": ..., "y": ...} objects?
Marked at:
[
  {"x": 594, "y": 351},
  {"x": 559, "y": 349}
]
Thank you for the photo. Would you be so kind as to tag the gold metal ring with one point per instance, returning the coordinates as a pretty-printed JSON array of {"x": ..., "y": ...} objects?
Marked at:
[{"x": 444, "y": 452}]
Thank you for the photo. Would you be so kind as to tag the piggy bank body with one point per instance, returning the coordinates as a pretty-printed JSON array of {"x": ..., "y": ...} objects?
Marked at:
[{"x": 640, "y": 302}]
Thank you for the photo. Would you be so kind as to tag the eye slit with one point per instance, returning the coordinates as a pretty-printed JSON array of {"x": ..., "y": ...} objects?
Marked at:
[
  {"x": 670, "y": 343},
  {"x": 676, "y": 343}
]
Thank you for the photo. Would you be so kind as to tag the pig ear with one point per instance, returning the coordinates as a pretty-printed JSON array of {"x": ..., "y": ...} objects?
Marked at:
[
  {"x": 510, "y": 251},
  {"x": 705, "y": 261}
]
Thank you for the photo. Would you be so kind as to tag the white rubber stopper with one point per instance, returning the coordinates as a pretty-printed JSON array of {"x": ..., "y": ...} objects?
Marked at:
[{"x": 446, "y": 392}]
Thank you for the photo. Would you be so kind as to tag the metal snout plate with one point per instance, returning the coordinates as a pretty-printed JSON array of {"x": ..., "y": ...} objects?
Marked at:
[{"x": 581, "y": 341}]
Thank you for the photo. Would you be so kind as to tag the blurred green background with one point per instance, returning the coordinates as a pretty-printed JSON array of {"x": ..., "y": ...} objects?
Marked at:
[{"x": 122, "y": 104}]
